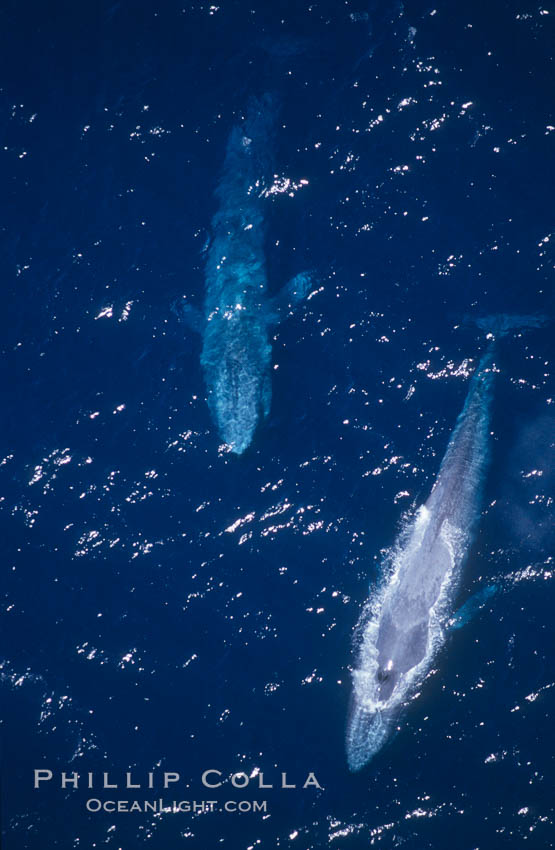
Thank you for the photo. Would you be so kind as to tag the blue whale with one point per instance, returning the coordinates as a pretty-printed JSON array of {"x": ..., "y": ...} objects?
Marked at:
[
  {"x": 404, "y": 625},
  {"x": 238, "y": 313}
]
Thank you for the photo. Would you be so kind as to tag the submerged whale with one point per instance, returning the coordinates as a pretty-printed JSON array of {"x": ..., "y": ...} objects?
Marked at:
[
  {"x": 238, "y": 313},
  {"x": 404, "y": 625}
]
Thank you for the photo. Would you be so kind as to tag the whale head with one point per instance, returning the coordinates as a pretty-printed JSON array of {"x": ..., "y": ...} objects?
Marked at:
[{"x": 368, "y": 728}]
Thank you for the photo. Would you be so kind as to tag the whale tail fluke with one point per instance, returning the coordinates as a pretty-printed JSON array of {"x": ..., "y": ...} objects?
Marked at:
[{"x": 500, "y": 325}]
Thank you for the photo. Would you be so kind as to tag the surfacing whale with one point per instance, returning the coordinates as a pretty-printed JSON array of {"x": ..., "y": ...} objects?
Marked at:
[
  {"x": 404, "y": 625},
  {"x": 238, "y": 313}
]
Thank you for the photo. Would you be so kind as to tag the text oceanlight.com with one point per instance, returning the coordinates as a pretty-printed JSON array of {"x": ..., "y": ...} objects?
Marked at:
[{"x": 176, "y": 806}]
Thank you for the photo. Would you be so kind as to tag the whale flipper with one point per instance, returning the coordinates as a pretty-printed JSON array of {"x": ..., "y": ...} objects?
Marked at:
[
  {"x": 501, "y": 324},
  {"x": 266, "y": 396},
  {"x": 471, "y": 607},
  {"x": 291, "y": 295},
  {"x": 192, "y": 316}
]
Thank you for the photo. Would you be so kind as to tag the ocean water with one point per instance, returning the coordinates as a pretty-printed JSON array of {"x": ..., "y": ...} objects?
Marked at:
[{"x": 167, "y": 605}]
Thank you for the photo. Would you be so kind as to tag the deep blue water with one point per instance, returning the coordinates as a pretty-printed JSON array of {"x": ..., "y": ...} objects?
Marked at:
[{"x": 167, "y": 605}]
